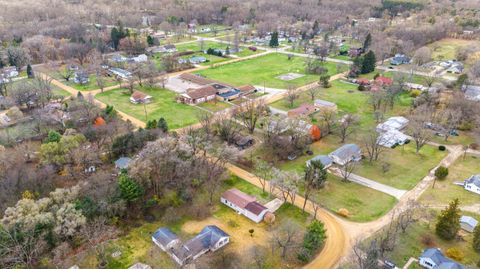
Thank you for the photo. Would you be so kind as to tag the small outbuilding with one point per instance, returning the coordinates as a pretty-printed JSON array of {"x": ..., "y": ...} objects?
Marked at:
[
  {"x": 323, "y": 105},
  {"x": 244, "y": 204},
  {"x": 302, "y": 111},
  {"x": 123, "y": 163},
  {"x": 468, "y": 223}
]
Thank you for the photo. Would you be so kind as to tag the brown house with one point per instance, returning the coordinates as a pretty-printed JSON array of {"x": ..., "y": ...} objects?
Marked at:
[
  {"x": 302, "y": 111},
  {"x": 197, "y": 96},
  {"x": 138, "y": 97}
]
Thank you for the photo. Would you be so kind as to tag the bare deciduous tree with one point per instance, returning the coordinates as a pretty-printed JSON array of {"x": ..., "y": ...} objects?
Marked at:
[{"x": 345, "y": 128}]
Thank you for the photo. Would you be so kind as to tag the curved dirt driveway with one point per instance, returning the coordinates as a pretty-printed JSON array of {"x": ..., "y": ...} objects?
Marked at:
[{"x": 337, "y": 243}]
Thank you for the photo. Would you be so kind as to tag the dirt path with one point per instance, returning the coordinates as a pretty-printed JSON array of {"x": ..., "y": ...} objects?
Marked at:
[{"x": 337, "y": 242}]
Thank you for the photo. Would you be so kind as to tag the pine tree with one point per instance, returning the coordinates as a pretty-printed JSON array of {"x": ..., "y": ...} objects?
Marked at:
[
  {"x": 367, "y": 42},
  {"x": 151, "y": 124},
  {"x": 150, "y": 40},
  {"x": 53, "y": 136},
  {"x": 30, "y": 71},
  {"x": 162, "y": 125},
  {"x": 448, "y": 222},
  {"x": 130, "y": 190},
  {"x": 274, "y": 40},
  {"x": 476, "y": 239},
  {"x": 368, "y": 63}
]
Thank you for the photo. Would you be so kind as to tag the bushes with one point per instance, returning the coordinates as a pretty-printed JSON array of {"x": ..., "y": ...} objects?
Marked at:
[
  {"x": 442, "y": 148},
  {"x": 343, "y": 212},
  {"x": 415, "y": 93},
  {"x": 361, "y": 88},
  {"x": 441, "y": 172},
  {"x": 455, "y": 254},
  {"x": 312, "y": 241}
]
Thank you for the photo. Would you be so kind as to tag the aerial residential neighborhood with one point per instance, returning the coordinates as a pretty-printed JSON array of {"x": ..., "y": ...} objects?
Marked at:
[{"x": 240, "y": 134}]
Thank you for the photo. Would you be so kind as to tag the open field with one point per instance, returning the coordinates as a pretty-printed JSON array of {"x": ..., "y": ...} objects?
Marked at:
[
  {"x": 410, "y": 243},
  {"x": 264, "y": 70},
  {"x": 445, "y": 191},
  {"x": 445, "y": 49},
  {"x": 214, "y": 106},
  {"x": 163, "y": 105},
  {"x": 136, "y": 245}
]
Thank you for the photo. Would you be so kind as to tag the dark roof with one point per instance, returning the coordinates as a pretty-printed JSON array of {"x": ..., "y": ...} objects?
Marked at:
[
  {"x": 206, "y": 239},
  {"x": 346, "y": 151},
  {"x": 238, "y": 197},
  {"x": 164, "y": 236},
  {"x": 230, "y": 93},
  {"x": 255, "y": 208},
  {"x": 440, "y": 260},
  {"x": 196, "y": 79},
  {"x": 324, "y": 159},
  {"x": 201, "y": 92},
  {"x": 138, "y": 95}
]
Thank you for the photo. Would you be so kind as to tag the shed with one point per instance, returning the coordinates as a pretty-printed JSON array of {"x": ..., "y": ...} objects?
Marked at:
[
  {"x": 123, "y": 163},
  {"x": 468, "y": 223}
]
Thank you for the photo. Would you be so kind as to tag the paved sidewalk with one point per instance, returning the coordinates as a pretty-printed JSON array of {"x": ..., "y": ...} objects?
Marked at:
[{"x": 397, "y": 193}]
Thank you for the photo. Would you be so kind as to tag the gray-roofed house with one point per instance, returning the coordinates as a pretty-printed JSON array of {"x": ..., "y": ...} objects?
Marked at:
[
  {"x": 123, "y": 163},
  {"x": 433, "y": 258},
  {"x": 140, "y": 265},
  {"x": 473, "y": 184},
  {"x": 323, "y": 105},
  {"x": 393, "y": 123},
  {"x": 165, "y": 239},
  {"x": 399, "y": 59},
  {"x": 472, "y": 92},
  {"x": 211, "y": 238},
  {"x": 119, "y": 72},
  {"x": 81, "y": 77},
  {"x": 346, "y": 154},
  {"x": 468, "y": 223},
  {"x": 324, "y": 159}
]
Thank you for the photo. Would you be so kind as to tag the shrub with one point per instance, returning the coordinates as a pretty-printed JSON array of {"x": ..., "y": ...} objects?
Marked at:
[
  {"x": 428, "y": 240},
  {"x": 415, "y": 93},
  {"x": 455, "y": 254},
  {"x": 442, "y": 148},
  {"x": 361, "y": 88},
  {"x": 474, "y": 146},
  {"x": 441, "y": 172},
  {"x": 232, "y": 223},
  {"x": 343, "y": 212}
]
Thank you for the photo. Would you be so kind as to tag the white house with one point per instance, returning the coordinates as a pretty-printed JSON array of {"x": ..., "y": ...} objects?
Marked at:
[
  {"x": 433, "y": 258},
  {"x": 393, "y": 123},
  {"x": 120, "y": 73},
  {"x": 473, "y": 184},
  {"x": 9, "y": 72},
  {"x": 346, "y": 154},
  {"x": 468, "y": 223},
  {"x": 244, "y": 204},
  {"x": 140, "y": 58},
  {"x": 392, "y": 138}
]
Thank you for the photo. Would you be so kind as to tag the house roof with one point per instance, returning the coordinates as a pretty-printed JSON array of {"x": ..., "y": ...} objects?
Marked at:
[
  {"x": 138, "y": 95},
  {"x": 346, "y": 151},
  {"x": 246, "y": 88},
  {"x": 196, "y": 79},
  {"x": 206, "y": 239},
  {"x": 324, "y": 159},
  {"x": 469, "y": 221},
  {"x": 169, "y": 46},
  {"x": 164, "y": 236},
  {"x": 123, "y": 162},
  {"x": 440, "y": 260},
  {"x": 384, "y": 80},
  {"x": 324, "y": 103},
  {"x": 201, "y": 92},
  {"x": 238, "y": 197},
  {"x": 472, "y": 92},
  {"x": 363, "y": 81},
  {"x": 475, "y": 179},
  {"x": 303, "y": 110},
  {"x": 392, "y": 137},
  {"x": 255, "y": 207},
  {"x": 140, "y": 265}
]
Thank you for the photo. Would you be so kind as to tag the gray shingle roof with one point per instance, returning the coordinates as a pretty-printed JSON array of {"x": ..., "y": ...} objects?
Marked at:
[
  {"x": 440, "y": 260},
  {"x": 469, "y": 220},
  {"x": 324, "y": 159},
  {"x": 475, "y": 179},
  {"x": 164, "y": 236},
  {"x": 122, "y": 162},
  {"x": 347, "y": 151},
  {"x": 206, "y": 239}
]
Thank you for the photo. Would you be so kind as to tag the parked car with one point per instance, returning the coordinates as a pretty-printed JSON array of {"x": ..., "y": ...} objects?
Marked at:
[
  {"x": 252, "y": 48},
  {"x": 390, "y": 265}
]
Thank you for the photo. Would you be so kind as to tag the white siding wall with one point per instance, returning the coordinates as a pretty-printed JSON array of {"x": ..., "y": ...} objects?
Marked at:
[
  {"x": 472, "y": 188},
  {"x": 427, "y": 263}
]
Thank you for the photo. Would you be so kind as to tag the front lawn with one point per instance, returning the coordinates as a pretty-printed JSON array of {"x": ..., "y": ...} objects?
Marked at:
[
  {"x": 445, "y": 190},
  {"x": 213, "y": 106},
  {"x": 92, "y": 83},
  {"x": 163, "y": 105},
  {"x": 264, "y": 70}
]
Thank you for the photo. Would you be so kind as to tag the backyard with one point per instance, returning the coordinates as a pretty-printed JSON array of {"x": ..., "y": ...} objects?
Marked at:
[
  {"x": 163, "y": 105},
  {"x": 446, "y": 49},
  {"x": 264, "y": 70},
  {"x": 445, "y": 190}
]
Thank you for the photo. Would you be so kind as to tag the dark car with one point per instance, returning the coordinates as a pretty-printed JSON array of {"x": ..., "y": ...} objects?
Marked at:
[{"x": 252, "y": 48}]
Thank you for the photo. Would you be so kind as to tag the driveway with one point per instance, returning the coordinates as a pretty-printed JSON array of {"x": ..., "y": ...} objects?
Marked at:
[{"x": 397, "y": 193}]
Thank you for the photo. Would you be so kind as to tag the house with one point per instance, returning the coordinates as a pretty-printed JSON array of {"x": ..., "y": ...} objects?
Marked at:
[
  {"x": 139, "y": 97},
  {"x": 247, "y": 89},
  {"x": 302, "y": 111},
  {"x": 139, "y": 59},
  {"x": 393, "y": 123},
  {"x": 324, "y": 159},
  {"x": 383, "y": 81},
  {"x": 244, "y": 142},
  {"x": 244, "y": 204},
  {"x": 165, "y": 239},
  {"x": 472, "y": 92},
  {"x": 118, "y": 58},
  {"x": 9, "y": 72},
  {"x": 433, "y": 258},
  {"x": 468, "y": 223},
  {"x": 355, "y": 52},
  {"x": 399, "y": 59},
  {"x": 392, "y": 138},
  {"x": 81, "y": 78},
  {"x": 140, "y": 265},
  {"x": 118, "y": 72},
  {"x": 362, "y": 81},
  {"x": 226, "y": 93},
  {"x": 415, "y": 86},
  {"x": 456, "y": 68},
  {"x": 123, "y": 163},
  {"x": 323, "y": 105},
  {"x": 472, "y": 184},
  {"x": 211, "y": 238},
  {"x": 197, "y": 96},
  {"x": 346, "y": 154},
  {"x": 197, "y": 60}
]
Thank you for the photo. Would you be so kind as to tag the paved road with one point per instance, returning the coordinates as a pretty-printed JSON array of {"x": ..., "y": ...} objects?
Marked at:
[
  {"x": 337, "y": 242},
  {"x": 372, "y": 184}
]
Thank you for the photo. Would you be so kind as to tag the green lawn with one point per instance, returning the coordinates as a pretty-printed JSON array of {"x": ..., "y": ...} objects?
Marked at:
[
  {"x": 409, "y": 244},
  {"x": 264, "y": 69},
  {"x": 214, "y": 106},
  {"x": 445, "y": 191},
  {"x": 92, "y": 83},
  {"x": 163, "y": 105},
  {"x": 445, "y": 49},
  {"x": 390, "y": 74}
]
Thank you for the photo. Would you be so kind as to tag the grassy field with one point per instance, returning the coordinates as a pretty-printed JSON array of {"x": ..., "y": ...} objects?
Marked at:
[
  {"x": 214, "y": 106},
  {"x": 408, "y": 78},
  {"x": 163, "y": 105},
  {"x": 445, "y": 191},
  {"x": 264, "y": 69},
  {"x": 92, "y": 83},
  {"x": 445, "y": 49},
  {"x": 410, "y": 243}
]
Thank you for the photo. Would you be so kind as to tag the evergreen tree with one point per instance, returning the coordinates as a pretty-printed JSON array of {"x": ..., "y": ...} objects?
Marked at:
[
  {"x": 227, "y": 51},
  {"x": 30, "y": 71},
  {"x": 356, "y": 66},
  {"x": 150, "y": 40},
  {"x": 476, "y": 239},
  {"x": 368, "y": 63},
  {"x": 151, "y": 124},
  {"x": 162, "y": 125},
  {"x": 115, "y": 37},
  {"x": 367, "y": 42},
  {"x": 130, "y": 190},
  {"x": 274, "y": 40},
  {"x": 80, "y": 96},
  {"x": 315, "y": 236},
  {"x": 448, "y": 222},
  {"x": 53, "y": 136}
]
